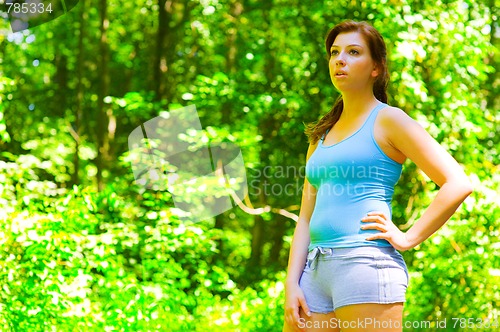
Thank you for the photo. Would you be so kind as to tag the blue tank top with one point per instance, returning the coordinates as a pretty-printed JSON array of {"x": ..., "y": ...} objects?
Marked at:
[{"x": 352, "y": 177}]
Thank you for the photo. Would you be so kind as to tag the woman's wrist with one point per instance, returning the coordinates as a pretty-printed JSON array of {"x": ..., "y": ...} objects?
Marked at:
[
  {"x": 292, "y": 282},
  {"x": 411, "y": 239}
]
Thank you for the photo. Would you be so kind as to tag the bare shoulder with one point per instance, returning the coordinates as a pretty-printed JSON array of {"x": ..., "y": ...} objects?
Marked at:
[
  {"x": 411, "y": 139},
  {"x": 311, "y": 149},
  {"x": 390, "y": 123},
  {"x": 399, "y": 127},
  {"x": 394, "y": 116}
]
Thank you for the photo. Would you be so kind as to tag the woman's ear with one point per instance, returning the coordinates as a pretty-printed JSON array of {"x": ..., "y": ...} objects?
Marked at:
[{"x": 375, "y": 71}]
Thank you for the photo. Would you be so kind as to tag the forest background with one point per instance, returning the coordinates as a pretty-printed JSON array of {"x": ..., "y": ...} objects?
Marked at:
[{"x": 85, "y": 247}]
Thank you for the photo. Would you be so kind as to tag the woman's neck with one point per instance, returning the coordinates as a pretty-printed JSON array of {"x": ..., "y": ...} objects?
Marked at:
[{"x": 357, "y": 103}]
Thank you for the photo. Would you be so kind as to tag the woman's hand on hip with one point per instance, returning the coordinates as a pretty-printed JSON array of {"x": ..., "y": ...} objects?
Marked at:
[{"x": 388, "y": 231}]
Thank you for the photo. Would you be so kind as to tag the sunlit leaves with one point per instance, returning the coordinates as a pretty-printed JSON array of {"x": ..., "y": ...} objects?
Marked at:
[{"x": 120, "y": 259}]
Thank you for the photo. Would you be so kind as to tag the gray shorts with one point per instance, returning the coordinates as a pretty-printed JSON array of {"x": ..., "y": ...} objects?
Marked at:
[{"x": 333, "y": 278}]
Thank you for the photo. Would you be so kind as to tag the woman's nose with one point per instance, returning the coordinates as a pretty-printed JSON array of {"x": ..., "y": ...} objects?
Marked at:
[{"x": 340, "y": 62}]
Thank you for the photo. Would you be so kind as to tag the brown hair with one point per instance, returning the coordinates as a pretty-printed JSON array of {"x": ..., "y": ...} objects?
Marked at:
[{"x": 378, "y": 52}]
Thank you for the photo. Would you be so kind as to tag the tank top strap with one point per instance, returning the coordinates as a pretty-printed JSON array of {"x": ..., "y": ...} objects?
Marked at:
[
  {"x": 368, "y": 125},
  {"x": 370, "y": 122}
]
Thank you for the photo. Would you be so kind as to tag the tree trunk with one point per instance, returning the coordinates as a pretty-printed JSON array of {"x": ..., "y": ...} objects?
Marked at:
[
  {"x": 266, "y": 126},
  {"x": 257, "y": 243},
  {"x": 75, "y": 179},
  {"x": 102, "y": 117},
  {"x": 277, "y": 241},
  {"x": 61, "y": 79},
  {"x": 492, "y": 97},
  {"x": 161, "y": 65},
  {"x": 227, "y": 105}
]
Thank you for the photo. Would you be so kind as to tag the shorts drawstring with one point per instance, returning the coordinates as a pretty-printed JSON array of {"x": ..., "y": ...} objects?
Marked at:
[{"x": 313, "y": 256}]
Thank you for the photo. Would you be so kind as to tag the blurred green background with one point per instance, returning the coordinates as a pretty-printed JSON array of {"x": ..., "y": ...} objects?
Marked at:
[{"x": 84, "y": 248}]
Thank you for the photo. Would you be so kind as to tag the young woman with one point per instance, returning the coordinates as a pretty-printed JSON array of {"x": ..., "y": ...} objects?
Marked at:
[{"x": 345, "y": 273}]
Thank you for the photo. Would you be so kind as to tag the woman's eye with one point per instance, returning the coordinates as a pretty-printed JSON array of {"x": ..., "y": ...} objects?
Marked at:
[
  {"x": 354, "y": 52},
  {"x": 334, "y": 52}
]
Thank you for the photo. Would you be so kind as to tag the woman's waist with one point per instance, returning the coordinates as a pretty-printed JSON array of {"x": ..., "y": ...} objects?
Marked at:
[
  {"x": 328, "y": 208},
  {"x": 357, "y": 251}
]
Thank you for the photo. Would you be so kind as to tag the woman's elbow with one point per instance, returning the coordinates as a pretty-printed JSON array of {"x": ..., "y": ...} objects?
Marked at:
[
  {"x": 464, "y": 187},
  {"x": 469, "y": 188}
]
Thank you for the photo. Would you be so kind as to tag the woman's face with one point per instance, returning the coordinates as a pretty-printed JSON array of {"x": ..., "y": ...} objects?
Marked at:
[{"x": 351, "y": 65}]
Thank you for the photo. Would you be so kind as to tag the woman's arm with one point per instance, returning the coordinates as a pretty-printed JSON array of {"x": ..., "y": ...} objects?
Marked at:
[
  {"x": 300, "y": 241},
  {"x": 294, "y": 299},
  {"x": 407, "y": 136}
]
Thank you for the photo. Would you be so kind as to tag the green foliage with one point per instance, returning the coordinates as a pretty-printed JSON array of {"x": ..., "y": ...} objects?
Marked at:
[{"x": 75, "y": 258}]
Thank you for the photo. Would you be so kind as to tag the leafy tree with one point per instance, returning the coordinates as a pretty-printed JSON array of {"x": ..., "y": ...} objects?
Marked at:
[{"x": 85, "y": 247}]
